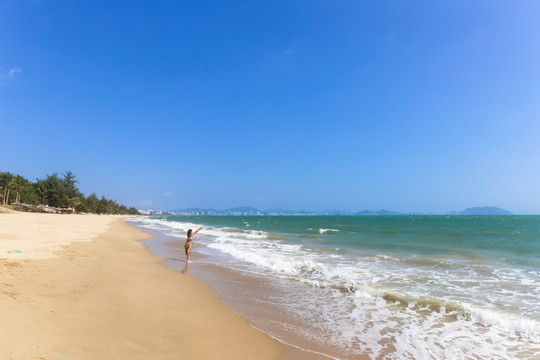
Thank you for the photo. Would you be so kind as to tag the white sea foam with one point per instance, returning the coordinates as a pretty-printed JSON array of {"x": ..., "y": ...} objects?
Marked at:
[
  {"x": 504, "y": 321},
  {"x": 307, "y": 267},
  {"x": 322, "y": 231},
  {"x": 426, "y": 308}
]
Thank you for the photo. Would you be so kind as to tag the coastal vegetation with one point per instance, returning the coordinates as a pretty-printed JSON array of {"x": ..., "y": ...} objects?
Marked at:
[{"x": 56, "y": 191}]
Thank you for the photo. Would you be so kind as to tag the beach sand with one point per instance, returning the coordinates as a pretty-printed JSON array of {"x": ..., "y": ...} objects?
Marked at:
[{"x": 84, "y": 287}]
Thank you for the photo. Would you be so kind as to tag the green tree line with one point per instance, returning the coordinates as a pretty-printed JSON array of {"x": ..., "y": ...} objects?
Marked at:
[{"x": 57, "y": 191}]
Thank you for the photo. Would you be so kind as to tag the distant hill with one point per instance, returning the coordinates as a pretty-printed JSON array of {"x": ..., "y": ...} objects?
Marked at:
[{"x": 485, "y": 210}]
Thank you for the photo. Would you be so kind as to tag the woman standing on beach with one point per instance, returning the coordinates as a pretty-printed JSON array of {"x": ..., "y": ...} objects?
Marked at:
[{"x": 187, "y": 246}]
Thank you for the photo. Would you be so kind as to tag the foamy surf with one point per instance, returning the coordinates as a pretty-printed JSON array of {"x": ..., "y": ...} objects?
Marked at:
[
  {"x": 355, "y": 294},
  {"x": 322, "y": 231}
]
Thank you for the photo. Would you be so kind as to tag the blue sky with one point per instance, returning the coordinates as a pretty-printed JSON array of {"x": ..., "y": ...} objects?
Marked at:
[{"x": 427, "y": 106}]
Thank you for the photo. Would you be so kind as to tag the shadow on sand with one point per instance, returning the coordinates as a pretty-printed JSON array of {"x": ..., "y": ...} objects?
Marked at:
[{"x": 184, "y": 261}]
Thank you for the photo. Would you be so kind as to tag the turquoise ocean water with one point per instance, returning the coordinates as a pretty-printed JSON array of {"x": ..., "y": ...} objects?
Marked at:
[{"x": 396, "y": 287}]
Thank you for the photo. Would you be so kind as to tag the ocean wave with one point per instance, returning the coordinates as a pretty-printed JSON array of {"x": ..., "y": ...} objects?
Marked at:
[
  {"x": 235, "y": 230},
  {"x": 310, "y": 236},
  {"x": 502, "y": 320},
  {"x": 323, "y": 231},
  {"x": 505, "y": 321},
  {"x": 326, "y": 251},
  {"x": 362, "y": 278},
  {"x": 181, "y": 228},
  {"x": 312, "y": 272},
  {"x": 160, "y": 224},
  {"x": 429, "y": 261}
]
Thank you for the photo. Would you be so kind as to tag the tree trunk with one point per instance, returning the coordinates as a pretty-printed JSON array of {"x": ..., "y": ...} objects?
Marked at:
[
  {"x": 4, "y": 199},
  {"x": 7, "y": 197}
]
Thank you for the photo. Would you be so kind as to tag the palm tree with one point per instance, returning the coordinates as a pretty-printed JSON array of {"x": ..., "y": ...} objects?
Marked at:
[
  {"x": 10, "y": 185},
  {"x": 40, "y": 190},
  {"x": 74, "y": 201},
  {"x": 19, "y": 185},
  {"x": 6, "y": 181},
  {"x": 3, "y": 185}
]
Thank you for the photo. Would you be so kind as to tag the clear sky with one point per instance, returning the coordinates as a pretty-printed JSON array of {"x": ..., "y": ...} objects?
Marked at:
[{"x": 427, "y": 106}]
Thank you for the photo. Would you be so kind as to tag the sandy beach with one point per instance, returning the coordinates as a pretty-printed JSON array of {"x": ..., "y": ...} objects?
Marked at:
[{"x": 84, "y": 287}]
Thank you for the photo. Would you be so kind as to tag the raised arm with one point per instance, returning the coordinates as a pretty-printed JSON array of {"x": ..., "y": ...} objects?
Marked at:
[{"x": 196, "y": 231}]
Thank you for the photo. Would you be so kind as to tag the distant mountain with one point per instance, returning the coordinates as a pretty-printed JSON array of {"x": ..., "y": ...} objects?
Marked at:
[{"x": 485, "y": 210}]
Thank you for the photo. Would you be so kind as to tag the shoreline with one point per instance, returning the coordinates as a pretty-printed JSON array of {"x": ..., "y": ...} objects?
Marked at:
[
  {"x": 170, "y": 250},
  {"x": 105, "y": 295},
  {"x": 348, "y": 289}
]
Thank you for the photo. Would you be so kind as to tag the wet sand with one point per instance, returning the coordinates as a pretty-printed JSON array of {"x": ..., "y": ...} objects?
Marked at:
[{"x": 242, "y": 293}]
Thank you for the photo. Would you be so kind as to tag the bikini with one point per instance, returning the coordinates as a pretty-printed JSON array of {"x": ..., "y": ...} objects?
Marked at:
[{"x": 187, "y": 246}]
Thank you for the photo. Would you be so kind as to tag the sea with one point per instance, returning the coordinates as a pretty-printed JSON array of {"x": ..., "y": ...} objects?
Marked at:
[{"x": 381, "y": 287}]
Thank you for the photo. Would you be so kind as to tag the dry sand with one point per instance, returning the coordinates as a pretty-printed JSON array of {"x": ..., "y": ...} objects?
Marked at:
[{"x": 83, "y": 287}]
